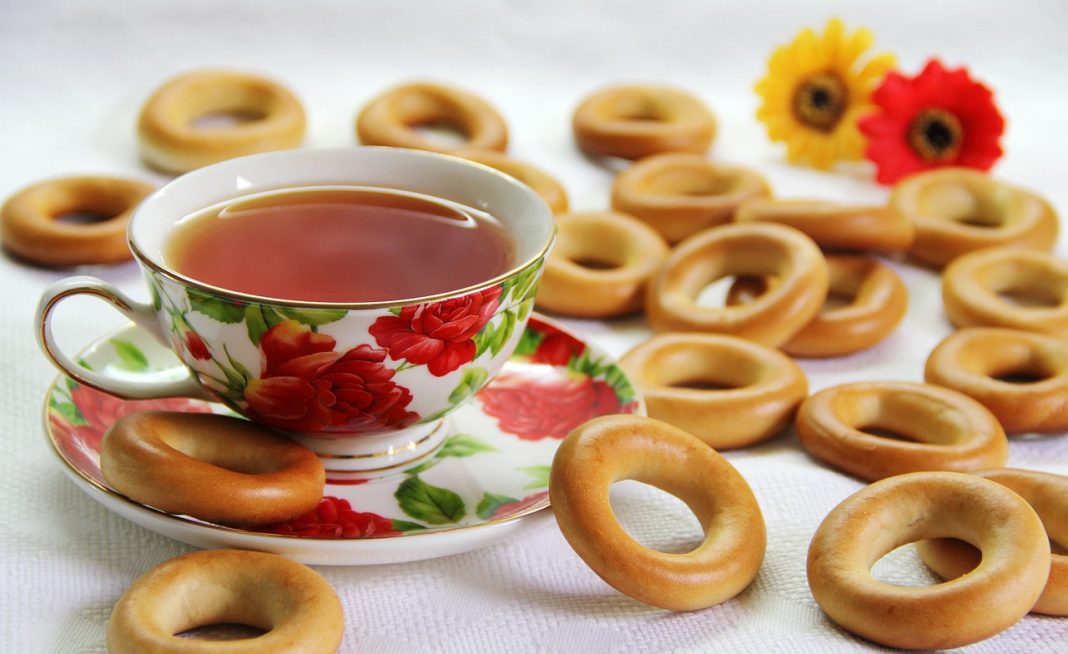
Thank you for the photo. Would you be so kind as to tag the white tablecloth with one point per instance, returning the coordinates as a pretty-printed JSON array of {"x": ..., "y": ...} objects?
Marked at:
[{"x": 73, "y": 77}]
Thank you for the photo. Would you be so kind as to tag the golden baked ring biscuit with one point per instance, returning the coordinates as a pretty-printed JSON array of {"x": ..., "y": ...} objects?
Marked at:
[
  {"x": 727, "y": 391},
  {"x": 682, "y": 194},
  {"x": 600, "y": 265},
  {"x": 1047, "y": 494},
  {"x": 973, "y": 286},
  {"x": 903, "y": 509},
  {"x": 540, "y": 181},
  {"x": 835, "y": 226},
  {"x": 635, "y": 121},
  {"x": 297, "y": 608},
  {"x": 980, "y": 362},
  {"x": 392, "y": 118},
  {"x": 866, "y": 302},
  {"x": 753, "y": 249},
  {"x": 946, "y": 430},
  {"x": 269, "y": 116},
  {"x": 612, "y": 448},
  {"x": 959, "y": 210},
  {"x": 32, "y": 228},
  {"x": 216, "y": 468}
]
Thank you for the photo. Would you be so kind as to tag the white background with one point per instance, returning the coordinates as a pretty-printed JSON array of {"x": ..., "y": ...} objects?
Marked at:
[{"x": 73, "y": 76}]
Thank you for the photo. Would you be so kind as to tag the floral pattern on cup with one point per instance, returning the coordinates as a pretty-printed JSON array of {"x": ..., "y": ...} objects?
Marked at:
[{"x": 285, "y": 367}]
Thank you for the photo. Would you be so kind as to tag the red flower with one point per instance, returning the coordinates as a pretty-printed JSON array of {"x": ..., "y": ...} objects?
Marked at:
[
  {"x": 938, "y": 118},
  {"x": 197, "y": 347},
  {"x": 439, "y": 334},
  {"x": 305, "y": 386},
  {"x": 557, "y": 347},
  {"x": 334, "y": 518},
  {"x": 534, "y": 408}
]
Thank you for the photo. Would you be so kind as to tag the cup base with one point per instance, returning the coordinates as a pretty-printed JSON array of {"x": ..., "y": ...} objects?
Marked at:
[{"x": 370, "y": 457}]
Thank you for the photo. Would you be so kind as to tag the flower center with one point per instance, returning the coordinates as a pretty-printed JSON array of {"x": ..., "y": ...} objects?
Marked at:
[
  {"x": 936, "y": 135},
  {"x": 820, "y": 101}
]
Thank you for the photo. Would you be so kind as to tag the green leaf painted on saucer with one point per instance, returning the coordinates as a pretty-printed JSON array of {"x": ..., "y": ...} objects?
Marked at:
[
  {"x": 130, "y": 356},
  {"x": 405, "y": 525},
  {"x": 429, "y": 503},
  {"x": 462, "y": 445},
  {"x": 313, "y": 317},
  {"x": 213, "y": 307},
  {"x": 69, "y": 412},
  {"x": 540, "y": 475},
  {"x": 489, "y": 504}
]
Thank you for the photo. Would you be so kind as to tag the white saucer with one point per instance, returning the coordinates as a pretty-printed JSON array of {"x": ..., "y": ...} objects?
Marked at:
[{"x": 488, "y": 482}]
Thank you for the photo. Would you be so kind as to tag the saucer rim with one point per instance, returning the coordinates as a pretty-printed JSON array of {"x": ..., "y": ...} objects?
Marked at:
[{"x": 88, "y": 484}]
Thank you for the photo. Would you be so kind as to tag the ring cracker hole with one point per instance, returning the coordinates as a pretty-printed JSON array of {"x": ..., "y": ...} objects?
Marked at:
[
  {"x": 1029, "y": 297},
  {"x": 731, "y": 290},
  {"x": 690, "y": 182},
  {"x": 885, "y": 432},
  {"x": 655, "y": 518},
  {"x": 222, "y": 632},
  {"x": 594, "y": 263},
  {"x": 83, "y": 217},
  {"x": 838, "y": 300},
  {"x": 639, "y": 110},
  {"x": 702, "y": 384},
  {"x": 442, "y": 133},
  {"x": 960, "y": 204},
  {"x": 227, "y": 119},
  {"x": 1023, "y": 374},
  {"x": 904, "y": 567}
]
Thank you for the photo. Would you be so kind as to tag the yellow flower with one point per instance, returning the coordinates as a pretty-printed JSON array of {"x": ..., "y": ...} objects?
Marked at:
[{"x": 815, "y": 91}]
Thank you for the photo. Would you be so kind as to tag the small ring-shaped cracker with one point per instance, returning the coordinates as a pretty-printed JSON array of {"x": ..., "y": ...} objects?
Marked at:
[
  {"x": 600, "y": 265},
  {"x": 973, "y": 284},
  {"x": 750, "y": 249},
  {"x": 682, "y": 194},
  {"x": 392, "y": 118},
  {"x": 612, "y": 448},
  {"x": 632, "y": 122},
  {"x": 31, "y": 229},
  {"x": 976, "y": 360},
  {"x": 297, "y": 608},
  {"x": 172, "y": 141},
  {"x": 1047, "y": 494},
  {"x": 754, "y": 390},
  {"x": 959, "y": 210},
  {"x": 947, "y": 430},
  {"x": 907, "y": 508}
]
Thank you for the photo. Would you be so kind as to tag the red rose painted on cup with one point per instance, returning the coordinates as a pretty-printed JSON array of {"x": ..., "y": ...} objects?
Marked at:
[
  {"x": 441, "y": 334},
  {"x": 306, "y": 386}
]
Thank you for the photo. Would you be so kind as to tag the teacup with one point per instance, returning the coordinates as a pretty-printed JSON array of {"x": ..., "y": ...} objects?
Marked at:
[{"x": 331, "y": 375}]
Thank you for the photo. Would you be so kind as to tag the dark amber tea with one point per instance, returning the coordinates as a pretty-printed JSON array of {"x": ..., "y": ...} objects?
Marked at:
[{"x": 340, "y": 244}]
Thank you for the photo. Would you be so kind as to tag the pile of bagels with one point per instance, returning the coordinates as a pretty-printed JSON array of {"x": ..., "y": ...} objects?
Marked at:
[{"x": 717, "y": 375}]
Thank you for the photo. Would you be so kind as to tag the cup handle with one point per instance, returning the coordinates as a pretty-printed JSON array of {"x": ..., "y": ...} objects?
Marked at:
[{"x": 177, "y": 382}]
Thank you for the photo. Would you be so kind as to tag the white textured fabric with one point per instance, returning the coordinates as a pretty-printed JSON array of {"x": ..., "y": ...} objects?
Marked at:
[{"x": 73, "y": 77}]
